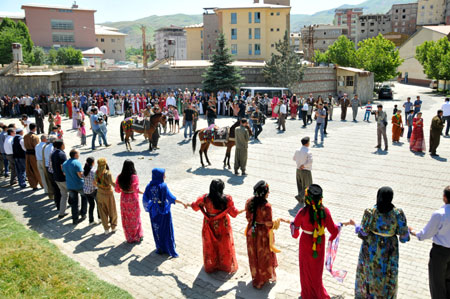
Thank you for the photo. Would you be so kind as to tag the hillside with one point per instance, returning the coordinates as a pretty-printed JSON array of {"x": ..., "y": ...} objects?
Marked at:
[{"x": 132, "y": 28}]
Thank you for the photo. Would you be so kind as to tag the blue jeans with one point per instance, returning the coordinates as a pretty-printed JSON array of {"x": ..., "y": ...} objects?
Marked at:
[
  {"x": 100, "y": 135},
  {"x": 409, "y": 131},
  {"x": 73, "y": 201},
  {"x": 319, "y": 127},
  {"x": 186, "y": 126},
  {"x": 367, "y": 115},
  {"x": 5, "y": 163},
  {"x": 257, "y": 129},
  {"x": 20, "y": 170}
]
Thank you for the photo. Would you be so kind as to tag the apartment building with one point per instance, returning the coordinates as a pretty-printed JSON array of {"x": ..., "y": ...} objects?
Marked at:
[
  {"x": 296, "y": 41},
  {"x": 348, "y": 17},
  {"x": 251, "y": 31},
  {"x": 404, "y": 18},
  {"x": 431, "y": 12},
  {"x": 194, "y": 42},
  {"x": 171, "y": 42},
  {"x": 54, "y": 26},
  {"x": 369, "y": 26},
  {"x": 111, "y": 42},
  {"x": 320, "y": 37}
]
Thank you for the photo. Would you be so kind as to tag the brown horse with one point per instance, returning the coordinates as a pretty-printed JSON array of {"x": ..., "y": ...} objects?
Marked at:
[
  {"x": 148, "y": 128},
  {"x": 206, "y": 142}
]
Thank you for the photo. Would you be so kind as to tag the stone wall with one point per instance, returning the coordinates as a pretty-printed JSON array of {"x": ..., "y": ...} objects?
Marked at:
[
  {"x": 141, "y": 80},
  {"x": 318, "y": 81},
  {"x": 20, "y": 85}
]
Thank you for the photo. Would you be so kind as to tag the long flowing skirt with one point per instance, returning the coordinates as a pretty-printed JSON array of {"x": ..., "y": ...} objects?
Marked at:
[
  {"x": 417, "y": 141},
  {"x": 163, "y": 233},
  {"x": 131, "y": 219}
]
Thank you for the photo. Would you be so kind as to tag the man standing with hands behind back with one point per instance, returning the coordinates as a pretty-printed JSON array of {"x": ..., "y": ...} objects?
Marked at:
[
  {"x": 344, "y": 103},
  {"x": 240, "y": 155},
  {"x": 381, "y": 118},
  {"x": 303, "y": 159}
]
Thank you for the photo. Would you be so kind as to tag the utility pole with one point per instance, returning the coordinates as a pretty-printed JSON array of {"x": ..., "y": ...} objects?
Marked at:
[{"x": 144, "y": 47}]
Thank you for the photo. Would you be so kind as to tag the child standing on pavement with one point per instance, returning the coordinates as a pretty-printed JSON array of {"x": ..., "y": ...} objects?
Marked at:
[
  {"x": 368, "y": 111},
  {"x": 177, "y": 120},
  {"x": 82, "y": 133}
]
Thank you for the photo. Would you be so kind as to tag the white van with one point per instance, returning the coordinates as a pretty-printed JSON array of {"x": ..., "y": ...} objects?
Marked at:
[{"x": 271, "y": 91}]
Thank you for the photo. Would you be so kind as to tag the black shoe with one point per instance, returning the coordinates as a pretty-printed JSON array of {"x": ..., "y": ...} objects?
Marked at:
[
  {"x": 434, "y": 155},
  {"x": 385, "y": 149},
  {"x": 378, "y": 146},
  {"x": 35, "y": 189},
  {"x": 243, "y": 173},
  {"x": 62, "y": 216},
  {"x": 236, "y": 173}
]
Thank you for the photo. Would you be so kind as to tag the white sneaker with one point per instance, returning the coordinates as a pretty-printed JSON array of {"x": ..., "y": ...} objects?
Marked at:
[{"x": 106, "y": 231}]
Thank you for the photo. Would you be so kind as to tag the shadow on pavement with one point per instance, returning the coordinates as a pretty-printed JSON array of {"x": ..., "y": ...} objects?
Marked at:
[{"x": 114, "y": 256}]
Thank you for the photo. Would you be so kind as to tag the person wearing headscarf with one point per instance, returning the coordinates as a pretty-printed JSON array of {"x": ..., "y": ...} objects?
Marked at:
[
  {"x": 217, "y": 235},
  {"x": 127, "y": 184},
  {"x": 259, "y": 232},
  {"x": 313, "y": 219},
  {"x": 157, "y": 200},
  {"x": 377, "y": 270},
  {"x": 106, "y": 203}
]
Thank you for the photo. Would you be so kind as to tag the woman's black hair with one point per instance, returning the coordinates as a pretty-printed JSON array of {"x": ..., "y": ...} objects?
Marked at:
[
  {"x": 124, "y": 178},
  {"x": 216, "y": 195},
  {"x": 88, "y": 166},
  {"x": 384, "y": 200},
  {"x": 260, "y": 191}
]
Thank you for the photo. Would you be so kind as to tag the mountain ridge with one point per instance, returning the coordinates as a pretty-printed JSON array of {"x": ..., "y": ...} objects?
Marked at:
[{"x": 153, "y": 22}]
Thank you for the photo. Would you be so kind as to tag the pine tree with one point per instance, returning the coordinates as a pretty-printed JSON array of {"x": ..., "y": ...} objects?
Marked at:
[
  {"x": 284, "y": 69},
  {"x": 221, "y": 75}
]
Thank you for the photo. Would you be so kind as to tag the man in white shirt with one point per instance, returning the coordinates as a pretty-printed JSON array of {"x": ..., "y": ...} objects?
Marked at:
[
  {"x": 9, "y": 155},
  {"x": 446, "y": 115},
  {"x": 28, "y": 102},
  {"x": 283, "y": 114},
  {"x": 438, "y": 229},
  {"x": 26, "y": 122},
  {"x": 39, "y": 152},
  {"x": 171, "y": 101},
  {"x": 303, "y": 159}
]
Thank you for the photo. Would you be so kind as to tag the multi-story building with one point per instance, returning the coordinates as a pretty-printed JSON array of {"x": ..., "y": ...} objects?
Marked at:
[
  {"x": 296, "y": 41},
  {"x": 170, "y": 42},
  {"x": 431, "y": 12},
  {"x": 194, "y": 42},
  {"x": 348, "y": 17},
  {"x": 369, "y": 26},
  {"x": 211, "y": 31},
  {"x": 111, "y": 42},
  {"x": 320, "y": 37},
  {"x": 251, "y": 31},
  {"x": 54, "y": 26},
  {"x": 404, "y": 18}
]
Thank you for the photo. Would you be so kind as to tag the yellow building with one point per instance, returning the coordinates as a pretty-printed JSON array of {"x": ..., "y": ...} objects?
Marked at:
[
  {"x": 431, "y": 12},
  {"x": 194, "y": 41},
  {"x": 251, "y": 31},
  {"x": 111, "y": 42}
]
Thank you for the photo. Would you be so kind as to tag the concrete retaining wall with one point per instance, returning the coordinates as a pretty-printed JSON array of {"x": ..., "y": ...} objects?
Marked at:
[{"x": 33, "y": 85}]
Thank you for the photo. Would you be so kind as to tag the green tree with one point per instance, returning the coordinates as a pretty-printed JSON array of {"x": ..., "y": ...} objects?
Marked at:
[
  {"x": 434, "y": 56},
  {"x": 285, "y": 68},
  {"x": 23, "y": 31},
  {"x": 52, "y": 56},
  {"x": 342, "y": 52},
  {"x": 37, "y": 56},
  {"x": 379, "y": 56},
  {"x": 7, "y": 23},
  {"x": 221, "y": 75},
  {"x": 321, "y": 57},
  {"x": 69, "y": 56},
  {"x": 10, "y": 33}
]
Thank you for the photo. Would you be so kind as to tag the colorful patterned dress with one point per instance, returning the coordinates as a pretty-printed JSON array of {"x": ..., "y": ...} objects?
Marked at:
[
  {"x": 417, "y": 141},
  {"x": 377, "y": 271},
  {"x": 261, "y": 259},
  {"x": 130, "y": 211},
  {"x": 217, "y": 235},
  {"x": 396, "y": 127}
]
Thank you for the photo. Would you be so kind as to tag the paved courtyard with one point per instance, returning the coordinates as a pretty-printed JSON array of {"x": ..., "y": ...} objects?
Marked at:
[{"x": 348, "y": 168}]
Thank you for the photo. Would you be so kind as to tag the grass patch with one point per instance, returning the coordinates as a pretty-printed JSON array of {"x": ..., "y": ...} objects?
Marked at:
[{"x": 32, "y": 267}]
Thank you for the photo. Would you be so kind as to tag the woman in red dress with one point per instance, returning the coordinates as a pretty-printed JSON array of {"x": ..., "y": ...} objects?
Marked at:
[
  {"x": 417, "y": 141},
  {"x": 127, "y": 184},
  {"x": 275, "y": 102},
  {"x": 261, "y": 255},
  {"x": 293, "y": 106},
  {"x": 313, "y": 219},
  {"x": 217, "y": 235},
  {"x": 69, "y": 107}
]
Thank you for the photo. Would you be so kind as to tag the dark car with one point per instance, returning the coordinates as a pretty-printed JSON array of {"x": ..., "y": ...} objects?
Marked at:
[{"x": 385, "y": 93}]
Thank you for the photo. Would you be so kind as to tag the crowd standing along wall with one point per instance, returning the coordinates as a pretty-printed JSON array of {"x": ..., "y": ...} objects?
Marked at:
[{"x": 317, "y": 80}]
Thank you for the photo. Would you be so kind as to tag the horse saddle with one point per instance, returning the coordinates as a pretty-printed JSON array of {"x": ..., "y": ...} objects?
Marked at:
[
  {"x": 220, "y": 134},
  {"x": 139, "y": 123}
]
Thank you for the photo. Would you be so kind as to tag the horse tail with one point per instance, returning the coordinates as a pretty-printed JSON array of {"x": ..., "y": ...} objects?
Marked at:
[
  {"x": 194, "y": 141},
  {"x": 121, "y": 131}
]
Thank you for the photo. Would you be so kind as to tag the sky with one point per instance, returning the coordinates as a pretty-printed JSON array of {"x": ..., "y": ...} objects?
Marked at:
[{"x": 120, "y": 10}]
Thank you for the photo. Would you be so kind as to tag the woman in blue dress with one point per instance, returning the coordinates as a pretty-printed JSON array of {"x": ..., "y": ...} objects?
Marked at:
[{"x": 157, "y": 200}]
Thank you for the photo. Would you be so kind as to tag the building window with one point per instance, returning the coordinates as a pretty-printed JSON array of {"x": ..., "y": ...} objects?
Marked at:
[
  {"x": 363, "y": 24},
  {"x": 62, "y": 24},
  {"x": 278, "y": 29},
  {"x": 271, "y": 29},
  {"x": 324, "y": 33},
  {"x": 257, "y": 49},
  {"x": 201, "y": 34},
  {"x": 404, "y": 10},
  {"x": 65, "y": 10},
  {"x": 102, "y": 40},
  {"x": 395, "y": 29},
  {"x": 349, "y": 81},
  {"x": 362, "y": 31},
  {"x": 96, "y": 40},
  {"x": 250, "y": 49},
  {"x": 233, "y": 33},
  {"x": 233, "y": 18},
  {"x": 249, "y": 33},
  {"x": 113, "y": 40},
  {"x": 257, "y": 17},
  {"x": 396, "y": 11},
  {"x": 249, "y": 17},
  {"x": 114, "y": 51},
  {"x": 404, "y": 17},
  {"x": 104, "y": 51},
  {"x": 324, "y": 42},
  {"x": 120, "y": 51},
  {"x": 278, "y": 13},
  {"x": 257, "y": 33},
  {"x": 271, "y": 13},
  {"x": 63, "y": 37},
  {"x": 272, "y": 45},
  {"x": 431, "y": 6},
  {"x": 234, "y": 49}
]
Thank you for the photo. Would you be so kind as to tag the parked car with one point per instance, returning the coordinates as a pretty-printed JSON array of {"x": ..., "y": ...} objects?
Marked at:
[
  {"x": 434, "y": 84},
  {"x": 385, "y": 92}
]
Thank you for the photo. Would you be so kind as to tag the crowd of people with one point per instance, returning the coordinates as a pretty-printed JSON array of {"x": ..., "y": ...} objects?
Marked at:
[{"x": 89, "y": 189}]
